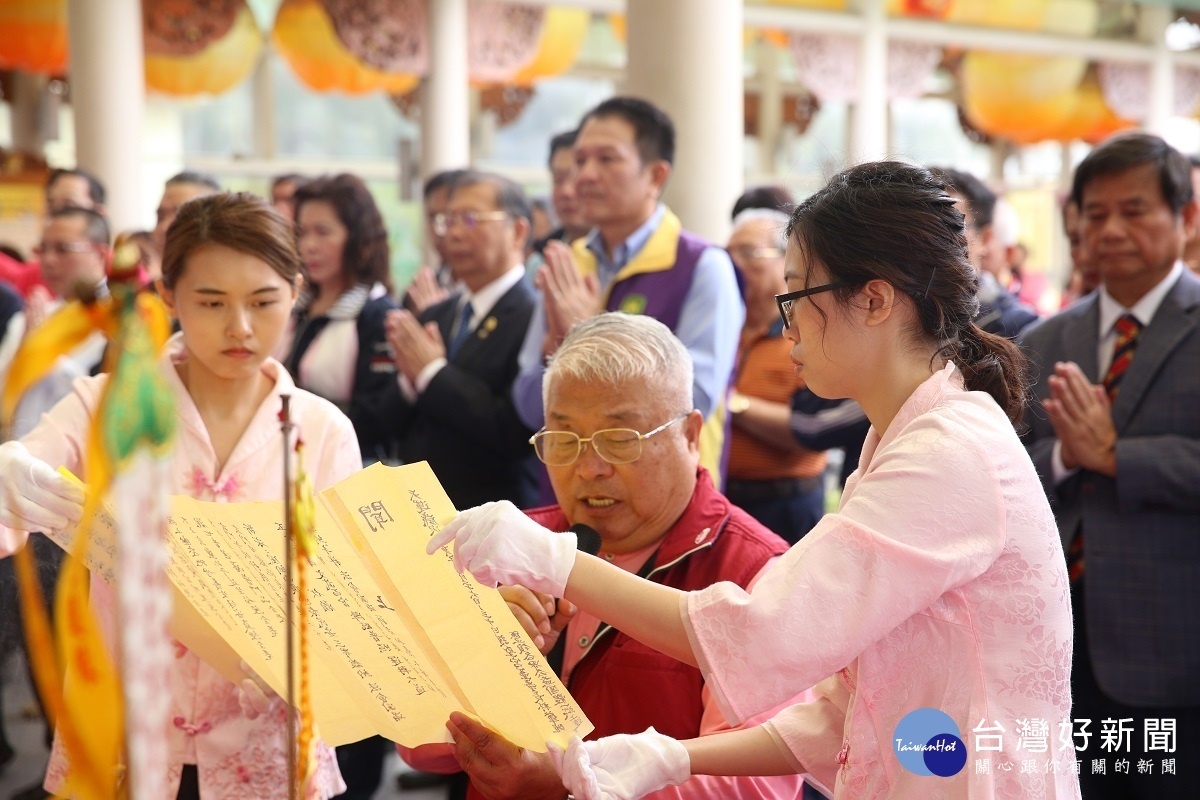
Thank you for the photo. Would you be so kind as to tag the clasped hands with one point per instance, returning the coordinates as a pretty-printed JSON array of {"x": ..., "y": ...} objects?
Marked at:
[
  {"x": 414, "y": 346},
  {"x": 1081, "y": 416},
  {"x": 568, "y": 297}
]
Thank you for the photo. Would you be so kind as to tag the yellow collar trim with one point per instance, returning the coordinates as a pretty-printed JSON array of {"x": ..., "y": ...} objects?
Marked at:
[{"x": 657, "y": 255}]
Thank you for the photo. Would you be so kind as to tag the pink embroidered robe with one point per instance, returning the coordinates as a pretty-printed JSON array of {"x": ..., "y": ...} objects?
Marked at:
[
  {"x": 236, "y": 758},
  {"x": 939, "y": 583}
]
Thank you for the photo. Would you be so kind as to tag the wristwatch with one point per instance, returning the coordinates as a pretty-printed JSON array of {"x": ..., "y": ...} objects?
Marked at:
[{"x": 738, "y": 402}]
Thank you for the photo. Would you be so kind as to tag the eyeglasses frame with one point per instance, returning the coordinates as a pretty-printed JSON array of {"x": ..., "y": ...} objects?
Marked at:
[
  {"x": 444, "y": 219},
  {"x": 784, "y": 301},
  {"x": 642, "y": 437},
  {"x": 65, "y": 248}
]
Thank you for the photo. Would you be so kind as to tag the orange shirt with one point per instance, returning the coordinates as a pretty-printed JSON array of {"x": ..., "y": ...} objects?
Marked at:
[{"x": 766, "y": 372}]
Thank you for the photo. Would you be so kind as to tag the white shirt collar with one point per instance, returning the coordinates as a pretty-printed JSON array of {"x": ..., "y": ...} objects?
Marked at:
[
  {"x": 1144, "y": 309},
  {"x": 486, "y": 298}
]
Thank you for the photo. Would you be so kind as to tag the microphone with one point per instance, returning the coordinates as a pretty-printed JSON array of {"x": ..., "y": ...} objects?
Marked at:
[{"x": 588, "y": 540}]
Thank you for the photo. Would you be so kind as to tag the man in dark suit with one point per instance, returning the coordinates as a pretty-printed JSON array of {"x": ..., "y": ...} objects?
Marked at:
[
  {"x": 457, "y": 361},
  {"x": 1115, "y": 435}
]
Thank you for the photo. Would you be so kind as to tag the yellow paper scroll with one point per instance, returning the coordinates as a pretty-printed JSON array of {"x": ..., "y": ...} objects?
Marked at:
[{"x": 399, "y": 639}]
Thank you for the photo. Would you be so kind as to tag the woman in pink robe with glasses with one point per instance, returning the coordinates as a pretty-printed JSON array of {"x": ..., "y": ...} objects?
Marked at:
[{"x": 931, "y": 610}]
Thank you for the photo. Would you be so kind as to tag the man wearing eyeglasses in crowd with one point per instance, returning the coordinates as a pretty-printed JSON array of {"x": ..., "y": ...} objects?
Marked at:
[
  {"x": 458, "y": 360},
  {"x": 622, "y": 447},
  {"x": 74, "y": 254},
  {"x": 74, "y": 251},
  {"x": 770, "y": 474},
  {"x": 65, "y": 188}
]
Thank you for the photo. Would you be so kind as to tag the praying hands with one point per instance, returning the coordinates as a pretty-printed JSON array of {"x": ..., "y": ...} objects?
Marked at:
[{"x": 1081, "y": 415}]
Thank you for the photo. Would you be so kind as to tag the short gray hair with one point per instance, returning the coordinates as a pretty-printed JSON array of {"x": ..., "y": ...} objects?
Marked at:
[
  {"x": 614, "y": 347},
  {"x": 769, "y": 215}
]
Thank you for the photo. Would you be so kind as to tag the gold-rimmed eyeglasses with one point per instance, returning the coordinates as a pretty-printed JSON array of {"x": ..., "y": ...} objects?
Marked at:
[
  {"x": 468, "y": 219},
  {"x": 614, "y": 445}
]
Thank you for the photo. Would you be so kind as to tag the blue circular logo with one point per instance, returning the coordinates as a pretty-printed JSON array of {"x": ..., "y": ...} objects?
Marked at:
[{"x": 927, "y": 742}]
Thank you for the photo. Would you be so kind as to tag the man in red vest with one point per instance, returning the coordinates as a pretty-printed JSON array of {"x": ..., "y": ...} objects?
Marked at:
[{"x": 622, "y": 446}]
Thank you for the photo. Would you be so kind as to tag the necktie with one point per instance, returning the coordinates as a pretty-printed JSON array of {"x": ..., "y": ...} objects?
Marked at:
[
  {"x": 462, "y": 330},
  {"x": 1127, "y": 327}
]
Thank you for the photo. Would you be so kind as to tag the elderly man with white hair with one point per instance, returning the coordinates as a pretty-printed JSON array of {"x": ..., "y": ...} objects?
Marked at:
[{"x": 622, "y": 447}]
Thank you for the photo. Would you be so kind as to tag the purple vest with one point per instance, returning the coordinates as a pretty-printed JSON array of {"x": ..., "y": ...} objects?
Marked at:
[{"x": 660, "y": 294}]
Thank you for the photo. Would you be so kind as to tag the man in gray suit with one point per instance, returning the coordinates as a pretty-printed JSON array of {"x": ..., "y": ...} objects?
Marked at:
[{"x": 1115, "y": 435}]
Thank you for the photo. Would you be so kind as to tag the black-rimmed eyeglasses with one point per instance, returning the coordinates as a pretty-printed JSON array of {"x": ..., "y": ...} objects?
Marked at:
[
  {"x": 614, "y": 445},
  {"x": 786, "y": 301}
]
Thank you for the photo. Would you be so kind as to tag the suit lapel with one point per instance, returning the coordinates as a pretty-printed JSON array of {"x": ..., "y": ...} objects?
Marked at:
[
  {"x": 1172, "y": 323},
  {"x": 497, "y": 320},
  {"x": 443, "y": 315},
  {"x": 1080, "y": 337}
]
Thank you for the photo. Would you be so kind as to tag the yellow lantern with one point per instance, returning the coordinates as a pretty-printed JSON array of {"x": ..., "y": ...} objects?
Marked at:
[
  {"x": 33, "y": 35},
  {"x": 562, "y": 38},
  {"x": 1020, "y": 97},
  {"x": 1091, "y": 119},
  {"x": 218, "y": 68},
  {"x": 1024, "y": 15},
  {"x": 304, "y": 36},
  {"x": 1030, "y": 98}
]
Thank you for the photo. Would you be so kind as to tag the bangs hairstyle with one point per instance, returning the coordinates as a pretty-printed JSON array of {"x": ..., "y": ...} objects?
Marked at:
[
  {"x": 614, "y": 347},
  {"x": 240, "y": 221}
]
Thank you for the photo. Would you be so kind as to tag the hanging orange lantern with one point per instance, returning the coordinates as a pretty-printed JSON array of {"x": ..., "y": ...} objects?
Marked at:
[
  {"x": 304, "y": 36},
  {"x": 1093, "y": 120},
  {"x": 1023, "y": 98},
  {"x": 562, "y": 38},
  {"x": 33, "y": 36},
  {"x": 220, "y": 66}
]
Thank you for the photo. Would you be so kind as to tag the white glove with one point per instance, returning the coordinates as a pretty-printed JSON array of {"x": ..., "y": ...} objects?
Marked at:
[
  {"x": 499, "y": 544},
  {"x": 33, "y": 497},
  {"x": 254, "y": 696},
  {"x": 621, "y": 767}
]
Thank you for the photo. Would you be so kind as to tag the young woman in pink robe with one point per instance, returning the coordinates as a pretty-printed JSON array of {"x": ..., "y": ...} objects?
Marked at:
[
  {"x": 230, "y": 276},
  {"x": 940, "y": 583}
]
